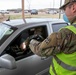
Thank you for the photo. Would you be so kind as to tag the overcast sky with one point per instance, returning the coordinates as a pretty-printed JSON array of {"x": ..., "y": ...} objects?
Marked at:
[{"x": 29, "y": 4}]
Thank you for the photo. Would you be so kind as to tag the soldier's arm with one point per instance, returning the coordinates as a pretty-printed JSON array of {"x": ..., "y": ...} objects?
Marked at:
[{"x": 53, "y": 44}]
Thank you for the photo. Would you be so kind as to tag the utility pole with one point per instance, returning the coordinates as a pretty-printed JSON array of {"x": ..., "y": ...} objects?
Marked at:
[
  {"x": 53, "y": 3},
  {"x": 60, "y": 10},
  {"x": 23, "y": 15}
]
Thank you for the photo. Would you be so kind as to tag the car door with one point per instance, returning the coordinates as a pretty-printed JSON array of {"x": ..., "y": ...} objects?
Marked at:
[{"x": 28, "y": 64}]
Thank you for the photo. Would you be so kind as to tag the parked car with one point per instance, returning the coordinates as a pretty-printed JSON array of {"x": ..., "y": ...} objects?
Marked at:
[
  {"x": 17, "y": 11},
  {"x": 51, "y": 12},
  {"x": 14, "y": 61},
  {"x": 26, "y": 11},
  {"x": 4, "y": 12},
  {"x": 34, "y": 11}
]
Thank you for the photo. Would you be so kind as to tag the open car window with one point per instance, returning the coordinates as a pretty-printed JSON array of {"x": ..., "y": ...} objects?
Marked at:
[{"x": 14, "y": 47}]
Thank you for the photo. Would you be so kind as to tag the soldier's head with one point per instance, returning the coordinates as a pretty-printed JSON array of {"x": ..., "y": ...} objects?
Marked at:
[{"x": 69, "y": 8}]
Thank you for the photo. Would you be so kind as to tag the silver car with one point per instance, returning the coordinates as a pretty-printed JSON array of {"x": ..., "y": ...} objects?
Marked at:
[{"x": 14, "y": 61}]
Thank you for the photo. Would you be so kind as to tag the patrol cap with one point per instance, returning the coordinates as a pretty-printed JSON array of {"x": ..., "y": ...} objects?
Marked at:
[{"x": 66, "y": 3}]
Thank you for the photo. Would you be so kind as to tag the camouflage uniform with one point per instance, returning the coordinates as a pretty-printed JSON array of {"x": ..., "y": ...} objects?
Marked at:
[
  {"x": 61, "y": 45},
  {"x": 62, "y": 41}
]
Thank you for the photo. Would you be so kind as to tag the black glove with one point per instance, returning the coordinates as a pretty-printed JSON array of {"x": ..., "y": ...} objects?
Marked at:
[
  {"x": 30, "y": 38},
  {"x": 36, "y": 37}
]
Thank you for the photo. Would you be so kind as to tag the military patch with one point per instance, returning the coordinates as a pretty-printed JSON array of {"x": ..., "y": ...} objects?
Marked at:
[{"x": 47, "y": 40}]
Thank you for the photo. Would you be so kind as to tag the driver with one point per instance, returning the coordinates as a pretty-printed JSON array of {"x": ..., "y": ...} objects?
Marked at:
[
  {"x": 38, "y": 31},
  {"x": 25, "y": 43}
]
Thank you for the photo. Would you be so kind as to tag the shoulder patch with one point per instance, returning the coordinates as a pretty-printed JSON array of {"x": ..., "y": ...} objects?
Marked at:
[{"x": 47, "y": 40}]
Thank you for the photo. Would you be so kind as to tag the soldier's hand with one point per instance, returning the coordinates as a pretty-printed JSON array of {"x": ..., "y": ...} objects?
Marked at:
[{"x": 36, "y": 37}]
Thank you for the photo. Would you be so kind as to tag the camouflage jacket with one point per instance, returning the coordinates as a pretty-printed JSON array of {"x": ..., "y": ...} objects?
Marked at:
[{"x": 62, "y": 41}]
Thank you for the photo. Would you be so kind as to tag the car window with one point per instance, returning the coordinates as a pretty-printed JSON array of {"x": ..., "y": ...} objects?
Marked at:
[
  {"x": 14, "y": 47},
  {"x": 5, "y": 32},
  {"x": 56, "y": 26}
]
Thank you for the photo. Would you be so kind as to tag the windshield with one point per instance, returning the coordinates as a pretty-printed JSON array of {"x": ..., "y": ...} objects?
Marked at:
[{"x": 5, "y": 32}]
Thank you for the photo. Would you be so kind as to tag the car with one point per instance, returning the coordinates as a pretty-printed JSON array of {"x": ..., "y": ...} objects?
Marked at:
[
  {"x": 14, "y": 61},
  {"x": 51, "y": 12},
  {"x": 4, "y": 12},
  {"x": 25, "y": 11},
  {"x": 34, "y": 11},
  {"x": 17, "y": 11}
]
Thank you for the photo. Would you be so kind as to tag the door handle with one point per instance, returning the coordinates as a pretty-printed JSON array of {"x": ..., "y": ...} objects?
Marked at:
[{"x": 43, "y": 58}]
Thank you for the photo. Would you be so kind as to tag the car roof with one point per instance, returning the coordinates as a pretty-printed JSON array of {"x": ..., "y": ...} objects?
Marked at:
[{"x": 18, "y": 22}]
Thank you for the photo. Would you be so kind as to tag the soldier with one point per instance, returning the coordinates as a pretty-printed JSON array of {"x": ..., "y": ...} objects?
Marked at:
[{"x": 61, "y": 45}]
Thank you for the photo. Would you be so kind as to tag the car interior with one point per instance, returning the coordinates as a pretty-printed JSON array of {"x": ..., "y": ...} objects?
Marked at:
[{"x": 14, "y": 49}]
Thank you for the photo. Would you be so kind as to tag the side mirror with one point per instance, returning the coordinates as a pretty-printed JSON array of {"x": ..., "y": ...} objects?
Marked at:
[{"x": 7, "y": 61}]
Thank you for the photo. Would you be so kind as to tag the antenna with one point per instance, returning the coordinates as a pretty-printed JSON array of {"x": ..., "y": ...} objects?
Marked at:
[{"x": 23, "y": 15}]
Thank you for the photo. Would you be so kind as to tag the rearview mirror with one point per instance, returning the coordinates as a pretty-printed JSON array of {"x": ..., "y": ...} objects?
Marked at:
[{"x": 7, "y": 61}]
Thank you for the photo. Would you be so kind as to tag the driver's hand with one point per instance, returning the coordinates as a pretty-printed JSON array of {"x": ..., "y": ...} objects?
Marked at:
[{"x": 23, "y": 46}]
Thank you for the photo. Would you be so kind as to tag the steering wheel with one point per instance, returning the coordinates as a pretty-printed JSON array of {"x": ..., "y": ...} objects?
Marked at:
[{"x": 40, "y": 38}]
